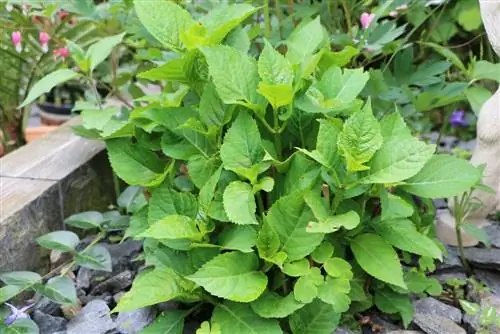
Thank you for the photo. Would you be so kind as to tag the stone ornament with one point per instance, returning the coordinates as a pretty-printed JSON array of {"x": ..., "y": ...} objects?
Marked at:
[{"x": 487, "y": 149}]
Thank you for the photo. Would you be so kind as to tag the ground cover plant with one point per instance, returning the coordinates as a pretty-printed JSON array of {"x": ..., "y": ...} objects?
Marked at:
[{"x": 270, "y": 196}]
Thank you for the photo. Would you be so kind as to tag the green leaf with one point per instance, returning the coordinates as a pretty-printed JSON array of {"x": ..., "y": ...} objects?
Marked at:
[
  {"x": 378, "y": 258},
  {"x": 173, "y": 227},
  {"x": 212, "y": 109},
  {"x": 335, "y": 292},
  {"x": 242, "y": 147},
  {"x": 164, "y": 20},
  {"x": 47, "y": 83},
  {"x": 266, "y": 184},
  {"x": 335, "y": 92},
  {"x": 394, "y": 207},
  {"x": 85, "y": 220},
  {"x": 8, "y": 292},
  {"x": 21, "y": 326},
  {"x": 443, "y": 176},
  {"x": 448, "y": 54},
  {"x": 302, "y": 174},
  {"x": 315, "y": 318},
  {"x": 477, "y": 233},
  {"x": 268, "y": 241},
  {"x": 20, "y": 278},
  {"x": 135, "y": 165},
  {"x": 171, "y": 322},
  {"x": 343, "y": 86},
  {"x": 237, "y": 318},
  {"x": 485, "y": 70},
  {"x": 399, "y": 159},
  {"x": 172, "y": 70},
  {"x": 305, "y": 40},
  {"x": 224, "y": 18},
  {"x": 239, "y": 203},
  {"x": 58, "y": 289},
  {"x": 426, "y": 73},
  {"x": 238, "y": 39},
  {"x": 181, "y": 262},
  {"x": 297, "y": 268},
  {"x": 360, "y": 139},
  {"x": 234, "y": 74},
  {"x": 305, "y": 289},
  {"x": 153, "y": 287},
  {"x": 477, "y": 96},
  {"x": 288, "y": 217},
  {"x": 326, "y": 142},
  {"x": 205, "y": 328},
  {"x": 273, "y": 67},
  {"x": 165, "y": 202},
  {"x": 242, "y": 238},
  {"x": 393, "y": 125},
  {"x": 469, "y": 308},
  {"x": 277, "y": 94},
  {"x": 207, "y": 192},
  {"x": 338, "y": 268},
  {"x": 64, "y": 241},
  {"x": 99, "y": 51},
  {"x": 96, "y": 258},
  {"x": 340, "y": 58},
  {"x": 348, "y": 220},
  {"x": 132, "y": 199},
  {"x": 391, "y": 302},
  {"x": 401, "y": 233},
  {"x": 232, "y": 276},
  {"x": 323, "y": 252},
  {"x": 272, "y": 305}
]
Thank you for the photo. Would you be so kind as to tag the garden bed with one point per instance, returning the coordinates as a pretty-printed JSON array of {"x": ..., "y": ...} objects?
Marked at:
[{"x": 43, "y": 182}]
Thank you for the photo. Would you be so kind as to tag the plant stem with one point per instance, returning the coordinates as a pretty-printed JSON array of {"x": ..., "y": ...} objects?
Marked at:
[
  {"x": 347, "y": 14},
  {"x": 277, "y": 8},
  {"x": 260, "y": 203},
  {"x": 458, "y": 230},
  {"x": 267, "y": 20},
  {"x": 277, "y": 134}
]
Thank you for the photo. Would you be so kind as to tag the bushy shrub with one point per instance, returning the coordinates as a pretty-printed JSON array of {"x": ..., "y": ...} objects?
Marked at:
[{"x": 268, "y": 192}]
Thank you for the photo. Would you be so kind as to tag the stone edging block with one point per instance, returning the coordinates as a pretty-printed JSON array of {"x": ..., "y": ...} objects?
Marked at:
[{"x": 43, "y": 182}]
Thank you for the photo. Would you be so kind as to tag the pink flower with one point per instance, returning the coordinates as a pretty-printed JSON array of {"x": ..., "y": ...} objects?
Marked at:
[
  {"x": 44, "y": 41},
  {"x": 366, "y": 19},
  {"x": 61, "y": 52},
  {"x": 64, "y": 52},
  {"x": 16, "y": 40},
  {"x": 62, "y": 14}
]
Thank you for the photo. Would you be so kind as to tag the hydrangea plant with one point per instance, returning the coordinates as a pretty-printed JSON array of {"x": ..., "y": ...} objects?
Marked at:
[{"x": 270, "y": 194}]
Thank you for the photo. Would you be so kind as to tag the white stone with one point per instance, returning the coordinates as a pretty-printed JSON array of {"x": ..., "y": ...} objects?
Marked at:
[{"x": 487, "y": 149}]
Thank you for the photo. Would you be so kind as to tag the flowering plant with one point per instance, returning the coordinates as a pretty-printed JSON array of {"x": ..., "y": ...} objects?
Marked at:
[{"x": 34, "y": 44}]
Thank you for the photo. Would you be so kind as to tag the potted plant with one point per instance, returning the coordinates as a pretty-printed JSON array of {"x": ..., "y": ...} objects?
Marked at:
[{"x": 33, "y": 44}]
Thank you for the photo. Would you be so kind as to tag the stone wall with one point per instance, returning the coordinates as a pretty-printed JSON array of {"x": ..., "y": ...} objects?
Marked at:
[{"x": 41, "y": 184}]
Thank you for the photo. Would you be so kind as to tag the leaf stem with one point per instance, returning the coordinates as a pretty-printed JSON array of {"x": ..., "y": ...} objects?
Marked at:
[
  {"x": 458, "y": 230},
  {"x": 277, "y": 134},
  {"x": 267, "y": 20},
  {"x": 260, "y": 203}
]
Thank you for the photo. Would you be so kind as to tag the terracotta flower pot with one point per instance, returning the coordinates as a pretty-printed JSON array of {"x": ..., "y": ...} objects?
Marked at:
[{"x": 32, "y": 134}]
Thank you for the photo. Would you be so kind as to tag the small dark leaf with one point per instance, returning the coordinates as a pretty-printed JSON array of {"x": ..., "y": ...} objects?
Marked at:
[
  {"x": 63, "y": 241},
  {"x": 85, "y": 220},
  {"x": 97, "y": 258},
  {"x": 20, "y": 278},
  {"x": 58, "y": 289}
]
